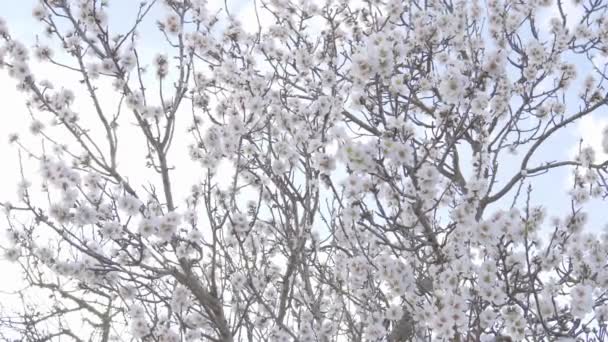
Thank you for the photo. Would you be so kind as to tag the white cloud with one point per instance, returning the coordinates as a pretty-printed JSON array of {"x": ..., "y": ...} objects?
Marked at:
[{"x": 590, "y": 130}]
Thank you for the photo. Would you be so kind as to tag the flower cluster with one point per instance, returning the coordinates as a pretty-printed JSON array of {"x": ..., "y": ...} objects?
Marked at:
[{"x": 352, "y": 171}]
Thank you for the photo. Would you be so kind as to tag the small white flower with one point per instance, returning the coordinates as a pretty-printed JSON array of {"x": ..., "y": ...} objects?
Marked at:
[
  {"x": 12, "y": 254},
  {"x": 394, "y": 313}
]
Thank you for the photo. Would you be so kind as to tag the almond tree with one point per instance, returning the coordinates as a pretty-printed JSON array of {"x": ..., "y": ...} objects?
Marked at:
[{"x": 382, "y": 159}]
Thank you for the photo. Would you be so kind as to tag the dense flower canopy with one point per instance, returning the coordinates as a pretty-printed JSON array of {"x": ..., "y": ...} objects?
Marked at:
[{"x": 358, "y": 170}]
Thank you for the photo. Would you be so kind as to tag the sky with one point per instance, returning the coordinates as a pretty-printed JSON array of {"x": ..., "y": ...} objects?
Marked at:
[
  {"x": 15, "y": 116},
  {"x": 549, "y": 190}
]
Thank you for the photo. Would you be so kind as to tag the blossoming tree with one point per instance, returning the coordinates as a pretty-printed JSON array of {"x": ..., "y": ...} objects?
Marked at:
[{"x": 381, "y": 159}]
